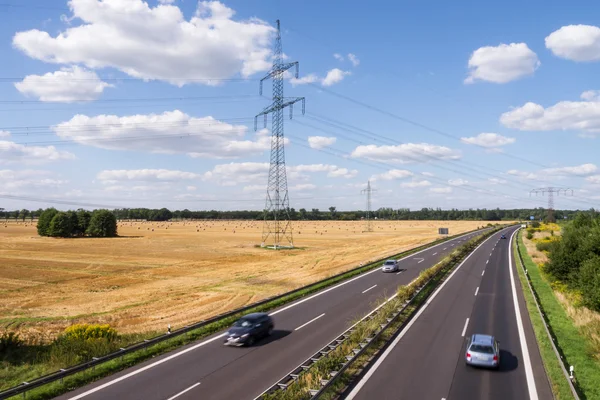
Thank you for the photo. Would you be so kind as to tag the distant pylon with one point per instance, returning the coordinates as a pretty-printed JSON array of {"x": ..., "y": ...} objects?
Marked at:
[
  {"x": 551, "y": 191},
  {"x": 368, "y": 191},
  {"x": 277, "y": 208}
]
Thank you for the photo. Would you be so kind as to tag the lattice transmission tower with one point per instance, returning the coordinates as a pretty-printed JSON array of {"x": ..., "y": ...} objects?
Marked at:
[
  {"x": 277, "y": 223},
  {"x": 551, "y": 191},
  {"x": 368, "y": 191}
]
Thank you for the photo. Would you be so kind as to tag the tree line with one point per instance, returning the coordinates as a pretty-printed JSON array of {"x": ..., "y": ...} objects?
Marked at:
[
  {"x": 164, "y": 214},
  {"x": 574, "y": 258},
  {"x": 99, "y": 223}
]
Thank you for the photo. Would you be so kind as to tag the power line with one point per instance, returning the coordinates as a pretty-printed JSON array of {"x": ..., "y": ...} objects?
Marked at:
[{"x": 138, "y": 99}]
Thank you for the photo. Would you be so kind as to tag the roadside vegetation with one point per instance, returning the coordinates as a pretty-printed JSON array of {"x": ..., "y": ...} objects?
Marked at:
[{"x": 564, "y": 268}]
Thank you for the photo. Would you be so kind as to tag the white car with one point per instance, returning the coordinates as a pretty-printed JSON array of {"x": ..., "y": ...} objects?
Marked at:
[{"x": 390, "y": 266}]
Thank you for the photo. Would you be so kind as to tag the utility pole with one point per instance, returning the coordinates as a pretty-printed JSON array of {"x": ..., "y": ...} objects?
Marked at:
[
  {"x": 368, "y": 191},
  {"x": 551, "y": 191},
  {"x": 277, "y": 222}
]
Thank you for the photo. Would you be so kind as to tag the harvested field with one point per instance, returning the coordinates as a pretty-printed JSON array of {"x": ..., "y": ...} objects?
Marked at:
[{"x": 177, "y": 272}]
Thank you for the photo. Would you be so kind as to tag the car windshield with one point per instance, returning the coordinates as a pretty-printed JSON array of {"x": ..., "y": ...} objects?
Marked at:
[
  {"x": 478, "y": 348},
  {"x": 244, "y": 322},
  {"x": 389, "y": 263}
]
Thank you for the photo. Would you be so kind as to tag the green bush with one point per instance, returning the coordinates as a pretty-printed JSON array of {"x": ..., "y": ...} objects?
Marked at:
[
  {"x": 61, "y": 225},
  {"x": 535, "y": 224},
  {"x": 529, "y": 235},
  {"x": 43, "y": 224},
  {"x": 589, "y": 282},
  {"x": 89, "y": 332},
  {"x": 102, "y": 224},
  {"x": 544, "y": 246},
  {"x": 9, "y": 341}
]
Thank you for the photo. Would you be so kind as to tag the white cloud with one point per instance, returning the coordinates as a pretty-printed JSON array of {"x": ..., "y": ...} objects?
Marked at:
[
  {"x": 566, "y": 115},
  {"x": 579, "y": 170},
  {"x": 254, "y": 188},
  {"x": 28, "y": 179},
  {"x": 523, "y": 174},
  {"x": 427, "y": 174},
  {"x": 496, "y": 181},
  {"x": 575, "y": 42},
  {"x": 169, "y": 133},
  {"x": 145, "y": 175},
  {"x": 415, "y": 184},
  {"x": 65, "y": 86},
  {"x": 319, "y": 142},
  {"x": 302, "y": 186},
  {"x": 15, "y": 153},
  {"x": 502, "y": 64},
  {"x": 405, "y": 153},
  {"x": 591, "y": 95},
  {"x": 4, "y": 133},
  {"x": 353, "y": 59},
  {"x": 595, "y": 179},
  {"x": 333, "y": 171},
  {"x": 441, "y": 190},
  {"x": 334, "y": 76},
  {"x": 458, "y": 182},
  {"x": 338, "y": 56},
  {"x": 190, "y": 188},
  {"x": 156, "y": 42},
  {"x": 489, "y": 140},
  {"x": 166, "y": 1},
  {"x": 392, "y": 174},
  {"x": 310, "y": 78}
]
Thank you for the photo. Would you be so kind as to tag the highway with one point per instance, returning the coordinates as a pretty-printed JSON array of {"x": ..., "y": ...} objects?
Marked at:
[
  {"x": 209, "y": 370},
  {"x": 426, "y": 360}
]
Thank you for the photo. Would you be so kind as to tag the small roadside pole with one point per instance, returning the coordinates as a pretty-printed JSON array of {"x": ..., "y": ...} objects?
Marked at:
[{"x": 169, "y": 329}]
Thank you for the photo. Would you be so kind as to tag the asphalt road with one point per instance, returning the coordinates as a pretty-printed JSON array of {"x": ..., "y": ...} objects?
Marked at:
[
  {"x": 426, "y": 360},
  {"x": 209, "y": 370}
]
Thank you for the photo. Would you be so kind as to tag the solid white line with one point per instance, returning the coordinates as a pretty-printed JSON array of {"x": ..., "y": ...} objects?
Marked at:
[
  {"x": 465, "y": 328},
  {"x": 476, "y": 290},
  {"x": 487, "y": 262},
  {"x": 421, "y": 261},
  {"x": 186, "y": 390},
  {"x": 312, "y": 320},
  {"x": 526, "y": 360},
  {"x": 387, "y": 352},
  {"x": 175, "y": 355},
  {"x": 434, "y": 253},
  {"x": 483, "y": 272},
  {"x": 365, "y": 291}
]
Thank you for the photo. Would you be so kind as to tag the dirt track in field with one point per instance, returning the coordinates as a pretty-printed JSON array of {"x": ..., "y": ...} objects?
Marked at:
[{"x": 180, "y": 272}]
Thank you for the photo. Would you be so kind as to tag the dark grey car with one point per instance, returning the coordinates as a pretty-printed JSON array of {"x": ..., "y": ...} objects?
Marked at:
[
  {"x": 248, "y": 329},
  {"x": 483, "y": 351}
]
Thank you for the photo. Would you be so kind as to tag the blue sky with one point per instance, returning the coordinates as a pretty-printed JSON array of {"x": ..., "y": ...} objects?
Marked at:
[{"x": 441, "y": 105}]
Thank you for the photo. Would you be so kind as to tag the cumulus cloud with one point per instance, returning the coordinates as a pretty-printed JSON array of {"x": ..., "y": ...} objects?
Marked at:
[
  {"x": 583, "y": 116},
  {"x": 575, "y": 42},
  {"x": 595, "y": 179},
  {"x": 489, "y": 140},
  {"x": 334, "y": 76},
  {"x": 15, "y": 153},
  {"x": 160, "y": 43},
  {"x": 415, "y": 184},
  {"x": 523, "y": 174},
  {"x": 405, "y": 153},
  {"x": 319, "y": 142},
  {"x": 4, "y": 133},
  {"x": 68, "y": 85},
  {"x": 169, "y": 133},
  {"x": 578, "y": 170},
  {"x": 591, "y": 95},
  {"x": 502, "y": 64},
  {"x": 145, "y": 175},
  {"x": 338, "y": 56},
  {"x": 353, "y": 59},
  {"x": 458, "y": 182},
  {"x": 28, "y": 179},
  {"x": 496, "y": 181},
  {"x": 392, "y": 174},
  {"x": 333, "y": 171},
  {"x": 310, "y": 78},
  {"x": 441, "y": 190}
]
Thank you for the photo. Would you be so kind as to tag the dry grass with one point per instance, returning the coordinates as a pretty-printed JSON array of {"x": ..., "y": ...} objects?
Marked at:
[{"x": 181, "y": 272}]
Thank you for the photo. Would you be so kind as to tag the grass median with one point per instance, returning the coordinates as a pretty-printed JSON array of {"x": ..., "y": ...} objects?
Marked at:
[
  {"x": 571, "y": 342},
  {"x": 9, "y": 378}
]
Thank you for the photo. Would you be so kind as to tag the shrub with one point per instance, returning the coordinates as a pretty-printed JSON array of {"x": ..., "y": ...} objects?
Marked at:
[
  {"x": 43, "y": 225},
  {"x": 529, "y": 235},
  {"x": 535, "y": 224},
  {"x": 544, "y": 246},
  {"x": 61, "y": 225},
  {"x": 9, "y": 341},
  {"x": 89, "y": 332},
  {"x": 102, "y": 224},
  {"x": 589, "y": 282}
]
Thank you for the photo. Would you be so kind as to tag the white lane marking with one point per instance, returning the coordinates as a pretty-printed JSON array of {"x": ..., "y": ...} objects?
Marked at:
[
  {"x": 526, "y": 360},
  {"x": 483, "y": 272},
  {"x": 399, "y": 272},
  {"x": 312, "y": 320},
  {"x": 487, "y": 262},
  {"x": 476, "y": 290},
  {"x": 421, "y": 261},
  {"x": 365, "y": 291},
  {"x": 434, "y": 253},
  {"x": 390, "y": 348},
  {"x": 175, "y": 355},
  {"x": 490, "y": 254},
  {"x": 182, "y": 392},
  {"x": 445, "y": 248},
  {"x": 465, "y": 328}
]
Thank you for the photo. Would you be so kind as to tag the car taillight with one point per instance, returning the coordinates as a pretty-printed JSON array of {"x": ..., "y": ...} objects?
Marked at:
[
  {"x": 468, "y": 355},
  {"x": 496, "y": 358}
]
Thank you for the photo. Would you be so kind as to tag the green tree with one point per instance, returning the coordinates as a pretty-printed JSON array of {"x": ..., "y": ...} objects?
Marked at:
[
  {"x": 332, "y": 212},
  {"x": 43, "y": 225},
  {"x": 61, "y": 225},
  {"x": 589, "y": 282},
  {"x": 102, "y": 224},
  {"x": 302, "y": 213},
  {"x": 83, "y": 221}
]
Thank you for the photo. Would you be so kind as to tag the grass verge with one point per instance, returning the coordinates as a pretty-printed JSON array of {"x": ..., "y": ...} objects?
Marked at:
[
  {"x": 30, "y": 371},
  {"x": 560, "y": 386},
  {"x": 572, "y": 344}
]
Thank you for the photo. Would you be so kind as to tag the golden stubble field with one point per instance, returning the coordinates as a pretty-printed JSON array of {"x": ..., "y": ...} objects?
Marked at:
[{"x": 177, "y": 272}]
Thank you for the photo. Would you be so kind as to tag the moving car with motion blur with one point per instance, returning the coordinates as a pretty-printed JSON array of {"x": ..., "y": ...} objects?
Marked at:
[
  {"x": 483, "y": 351},
  {"x": 503, "y": 236},
  {"x": 390, "y": 266},
  {"x": 248, "y": 329}
]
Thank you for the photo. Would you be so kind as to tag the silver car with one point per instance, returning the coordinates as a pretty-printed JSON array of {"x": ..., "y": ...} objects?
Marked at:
[
  {"x": 483, "y": 351},
  {"x": 390, "y": 266}
]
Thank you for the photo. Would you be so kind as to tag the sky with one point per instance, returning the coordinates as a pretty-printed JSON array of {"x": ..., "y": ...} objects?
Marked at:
[{"x": 131, "y": 103}]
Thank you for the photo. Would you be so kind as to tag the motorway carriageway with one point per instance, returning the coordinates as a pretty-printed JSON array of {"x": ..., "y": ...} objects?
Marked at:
[
  {"x": 426, "y": 360},
  {"x": 209, "y": 370}
]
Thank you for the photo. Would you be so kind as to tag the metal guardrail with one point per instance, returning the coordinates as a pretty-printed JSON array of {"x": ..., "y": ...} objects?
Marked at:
[
  {"x": 563, "y": 363},
  {"x": 66, "y": 372}
]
